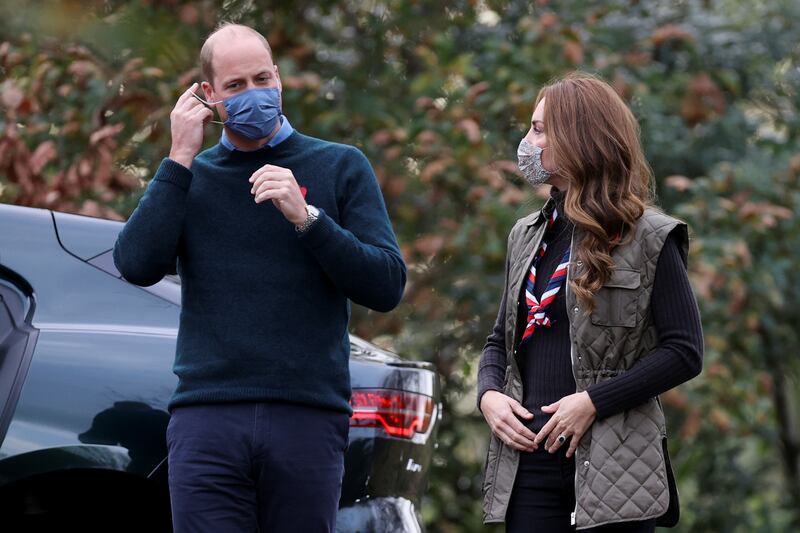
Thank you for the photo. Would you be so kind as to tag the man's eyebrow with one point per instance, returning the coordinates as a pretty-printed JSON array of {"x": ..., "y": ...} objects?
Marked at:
[
  {"x": 268, "y": 73},
  {"x": 240, "y": 78}
]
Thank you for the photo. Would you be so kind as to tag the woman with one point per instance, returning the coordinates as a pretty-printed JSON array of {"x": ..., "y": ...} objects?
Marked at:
[{"x": 596, "y": 300}]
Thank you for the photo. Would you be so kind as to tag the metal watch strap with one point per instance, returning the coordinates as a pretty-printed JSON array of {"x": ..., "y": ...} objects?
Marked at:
[{"x": 313, "y": 215}]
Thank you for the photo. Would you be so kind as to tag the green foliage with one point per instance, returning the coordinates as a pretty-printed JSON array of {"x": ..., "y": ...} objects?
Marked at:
[{"x": 438, "y": 96}]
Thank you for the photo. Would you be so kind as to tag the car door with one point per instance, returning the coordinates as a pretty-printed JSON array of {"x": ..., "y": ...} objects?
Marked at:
[{"x": 17, "y": 340}]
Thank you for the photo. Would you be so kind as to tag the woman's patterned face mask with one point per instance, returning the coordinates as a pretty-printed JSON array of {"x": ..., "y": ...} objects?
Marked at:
[{"x": 529, "y": 160}]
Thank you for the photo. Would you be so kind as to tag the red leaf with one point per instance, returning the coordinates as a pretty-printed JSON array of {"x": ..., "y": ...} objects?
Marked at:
[
  {"x": 12, "y": 95},
  {"x": 105, "y": 132},
  {"x": 471, "y": 129},
  {"x": 679, "y": 183},
  {"x": 43, "y": 154}
]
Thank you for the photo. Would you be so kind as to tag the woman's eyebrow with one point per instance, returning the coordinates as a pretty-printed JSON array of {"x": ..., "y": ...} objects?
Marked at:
[{"x": 533, "y": 122}]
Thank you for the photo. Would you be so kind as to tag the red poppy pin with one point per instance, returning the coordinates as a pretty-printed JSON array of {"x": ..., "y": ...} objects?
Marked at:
[{"x": 303, "y": 191}]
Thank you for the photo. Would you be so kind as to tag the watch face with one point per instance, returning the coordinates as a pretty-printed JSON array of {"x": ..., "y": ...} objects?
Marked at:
[{"x": 312, "y": 211}]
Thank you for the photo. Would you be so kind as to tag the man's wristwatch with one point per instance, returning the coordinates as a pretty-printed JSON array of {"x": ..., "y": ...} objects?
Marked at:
[{"x": 313, "y": 215}]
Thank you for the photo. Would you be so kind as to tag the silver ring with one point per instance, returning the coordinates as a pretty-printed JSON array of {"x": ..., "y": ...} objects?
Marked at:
[{"x": 562, "y": 439}]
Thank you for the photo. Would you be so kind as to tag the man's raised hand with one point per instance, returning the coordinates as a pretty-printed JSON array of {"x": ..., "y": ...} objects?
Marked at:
[{"x": 187, "y": 120}]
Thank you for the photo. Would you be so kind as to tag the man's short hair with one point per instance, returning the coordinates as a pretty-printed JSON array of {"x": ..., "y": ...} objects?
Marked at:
[{"x": 207, "y": 52}]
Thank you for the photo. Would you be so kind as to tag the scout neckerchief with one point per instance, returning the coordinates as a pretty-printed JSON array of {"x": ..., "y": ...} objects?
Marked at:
[{"x": 537, "y": 310}]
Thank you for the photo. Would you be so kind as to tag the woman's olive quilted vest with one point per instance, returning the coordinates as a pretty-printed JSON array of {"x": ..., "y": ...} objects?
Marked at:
[{"x": 622, "y": 471}]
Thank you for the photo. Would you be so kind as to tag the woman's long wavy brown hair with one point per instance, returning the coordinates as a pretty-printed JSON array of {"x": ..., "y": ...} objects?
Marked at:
[{"x": 596, "y": 148}]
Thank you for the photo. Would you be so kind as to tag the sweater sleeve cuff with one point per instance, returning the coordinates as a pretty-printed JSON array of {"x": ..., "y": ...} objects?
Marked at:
[
  {"x": 175, "y": 173},
  {"x": 318, "y": 234},
  {"x": 483, "y": 391},
  {"x": 602, "y": 396}
]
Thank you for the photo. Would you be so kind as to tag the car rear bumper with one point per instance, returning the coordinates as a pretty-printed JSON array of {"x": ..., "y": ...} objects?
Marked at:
[{"x": 380, "y": 515}]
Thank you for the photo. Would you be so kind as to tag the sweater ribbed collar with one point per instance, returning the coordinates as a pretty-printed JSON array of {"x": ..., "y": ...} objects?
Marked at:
[{"x": 556, "y": 200}]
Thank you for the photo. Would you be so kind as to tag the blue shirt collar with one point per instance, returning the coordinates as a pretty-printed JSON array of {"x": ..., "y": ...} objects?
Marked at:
[{"x": 284, "y": 132}]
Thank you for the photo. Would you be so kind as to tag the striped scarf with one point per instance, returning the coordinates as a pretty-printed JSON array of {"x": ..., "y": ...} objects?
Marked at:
[{"x": 537, "y": 310}]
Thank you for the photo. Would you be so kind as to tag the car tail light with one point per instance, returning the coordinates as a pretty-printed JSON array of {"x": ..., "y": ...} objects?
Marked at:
[{"x": 399, "y": 413}]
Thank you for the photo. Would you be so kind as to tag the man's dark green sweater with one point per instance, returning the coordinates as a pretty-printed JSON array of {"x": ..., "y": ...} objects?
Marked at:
[{"x": 264, "y": 309}]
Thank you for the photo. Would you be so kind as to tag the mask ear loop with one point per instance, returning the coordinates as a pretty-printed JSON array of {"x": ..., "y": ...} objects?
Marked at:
[{"x": 210, "y": 105}]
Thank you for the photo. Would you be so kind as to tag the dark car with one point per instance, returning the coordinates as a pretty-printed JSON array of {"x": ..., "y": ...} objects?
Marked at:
[{"x": 86, "y": 375}]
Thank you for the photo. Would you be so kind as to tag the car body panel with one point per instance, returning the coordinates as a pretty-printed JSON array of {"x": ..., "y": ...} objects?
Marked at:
[
  {"x": 84, "y": 236},
  {"x": 61, "y": 458}
]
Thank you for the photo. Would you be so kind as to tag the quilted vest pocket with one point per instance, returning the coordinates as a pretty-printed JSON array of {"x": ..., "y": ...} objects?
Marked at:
[{"x": 615, "y": 304}]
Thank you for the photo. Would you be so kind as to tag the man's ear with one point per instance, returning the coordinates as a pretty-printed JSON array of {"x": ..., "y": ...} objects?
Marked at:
[
  {"x": 278, "y": 79},
  {"x": 208, "y": 91}
]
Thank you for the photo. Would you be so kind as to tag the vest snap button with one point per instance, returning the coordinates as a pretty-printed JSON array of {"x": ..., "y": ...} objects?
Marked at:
[
  {"x": 579, "y": 263},
  {"x": 575, "y": 309},
  {"x": 586, "y": 464}
]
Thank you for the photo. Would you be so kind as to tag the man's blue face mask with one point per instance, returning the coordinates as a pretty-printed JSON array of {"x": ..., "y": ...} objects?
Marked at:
[{"x": 253, "y": 113}]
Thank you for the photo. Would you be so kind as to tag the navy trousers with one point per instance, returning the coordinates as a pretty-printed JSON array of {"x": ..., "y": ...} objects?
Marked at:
[
  {"x": 543, "y": 497},
  {"x": 247, "y": 467}
]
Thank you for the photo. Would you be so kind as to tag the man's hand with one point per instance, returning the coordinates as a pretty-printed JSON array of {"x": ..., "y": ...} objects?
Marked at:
[
  {"x": 500, "y": 412},
  {"x": 275, "y": 183},
  {"x": 187, "y": 120},
  {"x": 572, "y": 416}
]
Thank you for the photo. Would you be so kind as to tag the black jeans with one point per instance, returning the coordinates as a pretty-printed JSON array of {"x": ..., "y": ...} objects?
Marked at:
[
  {"x": 543, "y": 497},
  {"x": 255, "y": 467}
]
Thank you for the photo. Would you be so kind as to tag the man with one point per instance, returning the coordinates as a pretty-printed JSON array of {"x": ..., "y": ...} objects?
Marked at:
[{"x": 272, "y": 233}]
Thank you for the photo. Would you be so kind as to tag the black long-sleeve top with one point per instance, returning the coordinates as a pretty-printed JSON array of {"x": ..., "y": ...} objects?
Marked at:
[{"x": 545, "y": 359}]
